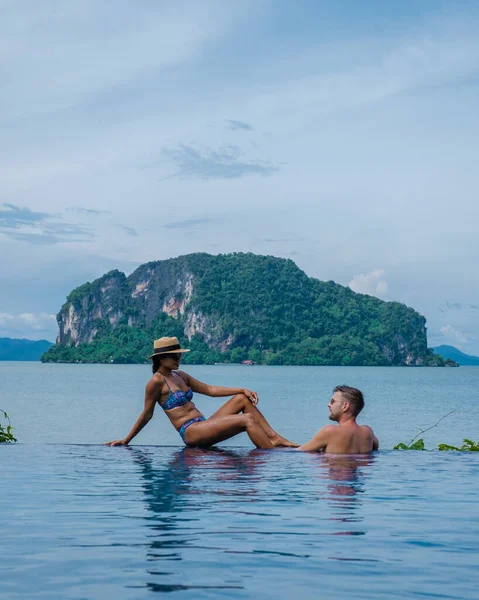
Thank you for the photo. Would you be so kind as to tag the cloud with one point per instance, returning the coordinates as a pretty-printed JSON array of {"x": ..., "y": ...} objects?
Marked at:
[
  {"x": 235, "y": 125},
  {"x": 13, "y": 217},
  {"x": 36, "y": 239},
  {"x": 39, "y": 228},
  {"x": 129, "y": 230},
  {"x": 456, "y": 307},
  {"x": 281, "y": 240},
  {"x": 454, "y": 335},
  {"x": 453, "y": 305},
  {"x": 450, "y": 306},
  {"x": 70, "y": 57},
  {"x": 27, "y": 325},
  {"x": 372, "y": 283},
  {"x": 55, "y": 233},
  {"x": 88, "y": 211},
  {"x": 461, "y": 328},
  {"x": 224, "y": 163},
  {"x": 191, "y": 223},
  {"x": 360, "y": 109}
]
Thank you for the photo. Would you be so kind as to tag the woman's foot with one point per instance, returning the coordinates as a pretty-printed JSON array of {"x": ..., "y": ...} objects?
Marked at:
[{"x": 279, "y": 441}]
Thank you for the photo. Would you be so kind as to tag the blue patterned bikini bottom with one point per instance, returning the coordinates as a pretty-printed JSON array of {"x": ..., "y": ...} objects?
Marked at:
[{"x": 184, "y": 427}]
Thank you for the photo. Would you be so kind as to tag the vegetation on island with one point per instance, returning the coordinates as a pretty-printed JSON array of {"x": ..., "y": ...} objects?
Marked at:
[
  {"x": 240, "y": 307},
  {"x": 6, "y": 434}
]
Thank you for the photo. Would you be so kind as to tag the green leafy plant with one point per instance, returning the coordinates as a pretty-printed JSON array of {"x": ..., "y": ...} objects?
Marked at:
[
  {"x": 419, "y": 443},
  {"x": 467, "y": 446},
  {"x": 6, "y": 435}
]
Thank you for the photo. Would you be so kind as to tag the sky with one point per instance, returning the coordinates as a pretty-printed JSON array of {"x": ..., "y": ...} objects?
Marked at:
[{"x": 343, "y": 135}]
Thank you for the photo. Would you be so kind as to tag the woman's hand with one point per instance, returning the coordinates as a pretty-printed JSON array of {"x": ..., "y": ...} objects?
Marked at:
[
  {"x": 252, "y": 396},
  {"x": 117, "y": 443}
]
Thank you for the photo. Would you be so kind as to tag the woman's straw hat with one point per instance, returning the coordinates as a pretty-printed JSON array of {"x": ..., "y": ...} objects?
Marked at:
[{"x": 165, "y": 345}]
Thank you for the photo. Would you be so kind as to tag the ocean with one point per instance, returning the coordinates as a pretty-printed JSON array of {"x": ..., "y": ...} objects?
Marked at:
[{"x": 81, "y": 520}]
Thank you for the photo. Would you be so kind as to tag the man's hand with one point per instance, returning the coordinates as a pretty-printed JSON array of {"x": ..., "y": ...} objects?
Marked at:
[
  {"x": 252, "y": 396},
  {"x": 117, "y": 443}
]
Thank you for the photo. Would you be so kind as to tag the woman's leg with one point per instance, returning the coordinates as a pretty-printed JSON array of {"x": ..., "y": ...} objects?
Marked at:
[
  {"x": 241, "y": 404},
  {"x": 212, "y": 431}
]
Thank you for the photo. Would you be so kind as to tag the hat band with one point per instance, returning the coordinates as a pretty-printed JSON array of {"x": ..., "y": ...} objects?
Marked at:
[{"x": 166, "y": 349}]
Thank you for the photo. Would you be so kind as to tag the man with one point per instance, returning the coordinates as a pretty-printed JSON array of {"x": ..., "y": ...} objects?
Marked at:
[{"x": 347, "y": 437}]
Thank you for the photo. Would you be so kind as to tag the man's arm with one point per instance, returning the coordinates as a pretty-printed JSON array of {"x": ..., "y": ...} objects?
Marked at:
[
  {"x": 319, "y": 441},
  {"x": 375, "y": 443}
]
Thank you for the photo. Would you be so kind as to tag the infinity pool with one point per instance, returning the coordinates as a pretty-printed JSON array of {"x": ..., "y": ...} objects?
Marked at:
[{"x": 87, "y": 522}]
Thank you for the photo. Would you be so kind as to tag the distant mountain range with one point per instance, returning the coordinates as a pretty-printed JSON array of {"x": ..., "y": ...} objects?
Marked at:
[
  {"x": 457, "y": 355},
  {"x": 14, "y": 349}
]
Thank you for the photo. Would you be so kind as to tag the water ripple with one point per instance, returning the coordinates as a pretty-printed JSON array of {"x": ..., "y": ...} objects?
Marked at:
[{"x": 89, "y": 521}]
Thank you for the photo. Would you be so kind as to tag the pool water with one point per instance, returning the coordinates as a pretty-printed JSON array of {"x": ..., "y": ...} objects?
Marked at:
[{"x": 90, "y": 521}]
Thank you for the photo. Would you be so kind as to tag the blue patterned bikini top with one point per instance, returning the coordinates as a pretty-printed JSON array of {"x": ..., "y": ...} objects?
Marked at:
[{"x": 176, "y": 398}]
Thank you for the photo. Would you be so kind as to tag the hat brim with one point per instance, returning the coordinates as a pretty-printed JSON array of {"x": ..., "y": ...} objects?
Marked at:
[{"x": 179, "y": 351}]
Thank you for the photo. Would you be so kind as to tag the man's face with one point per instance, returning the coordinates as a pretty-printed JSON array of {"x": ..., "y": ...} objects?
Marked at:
[{"x": 336, "y": 406}]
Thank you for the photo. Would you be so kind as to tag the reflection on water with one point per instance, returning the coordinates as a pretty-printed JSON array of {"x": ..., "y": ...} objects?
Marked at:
[
  {"x": 345, "y": 482},
  {"x": 196, "y": 480},
  {"x": 170, "y": 489},
  {"x": 97, "y": 522}
]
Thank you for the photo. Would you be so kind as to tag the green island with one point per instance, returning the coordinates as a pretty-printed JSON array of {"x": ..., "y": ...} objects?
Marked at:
[{"x": 237, "y": 308}]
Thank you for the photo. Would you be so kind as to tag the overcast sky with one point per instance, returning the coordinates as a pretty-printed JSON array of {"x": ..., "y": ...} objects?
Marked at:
[{"x": 341, "y": 134}]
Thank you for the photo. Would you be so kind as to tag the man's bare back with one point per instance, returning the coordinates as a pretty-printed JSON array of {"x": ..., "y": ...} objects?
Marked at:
[{"x": 347, "y": 437}]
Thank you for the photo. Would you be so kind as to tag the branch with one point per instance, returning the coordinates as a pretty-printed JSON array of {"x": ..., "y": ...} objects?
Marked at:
[{"x": 424, "y": 430}]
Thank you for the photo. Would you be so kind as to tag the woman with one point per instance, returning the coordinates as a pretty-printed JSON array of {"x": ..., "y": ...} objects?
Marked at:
[{"x": 173, "y": 391}]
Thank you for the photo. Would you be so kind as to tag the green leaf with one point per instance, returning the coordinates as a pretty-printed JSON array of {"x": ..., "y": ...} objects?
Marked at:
[
  {"x": 446, "y": 447},
  {"x": 418, "y": 445},
  {"x": 468, "y": 446}
]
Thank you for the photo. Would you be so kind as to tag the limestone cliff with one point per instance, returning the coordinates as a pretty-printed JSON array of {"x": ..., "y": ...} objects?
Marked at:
[{"x": 89, "y": 306}]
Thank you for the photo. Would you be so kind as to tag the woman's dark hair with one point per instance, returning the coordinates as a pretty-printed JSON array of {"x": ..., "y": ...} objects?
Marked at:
[
  {"x": 156, "y": 364},
  {"x": 353, "y": 396},
  {"x": 157, "y": 360}
]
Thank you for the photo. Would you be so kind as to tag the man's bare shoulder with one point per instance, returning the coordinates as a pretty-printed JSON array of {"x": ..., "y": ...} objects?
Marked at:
[
  {"x": 329, "y": 430},
  {"x": 320, "y": 440}
]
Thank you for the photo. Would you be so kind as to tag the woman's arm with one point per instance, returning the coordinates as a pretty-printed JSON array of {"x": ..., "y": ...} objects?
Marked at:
[
  {"x": 153, "y": 388},
  {"x": 216, "y": 391}
]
